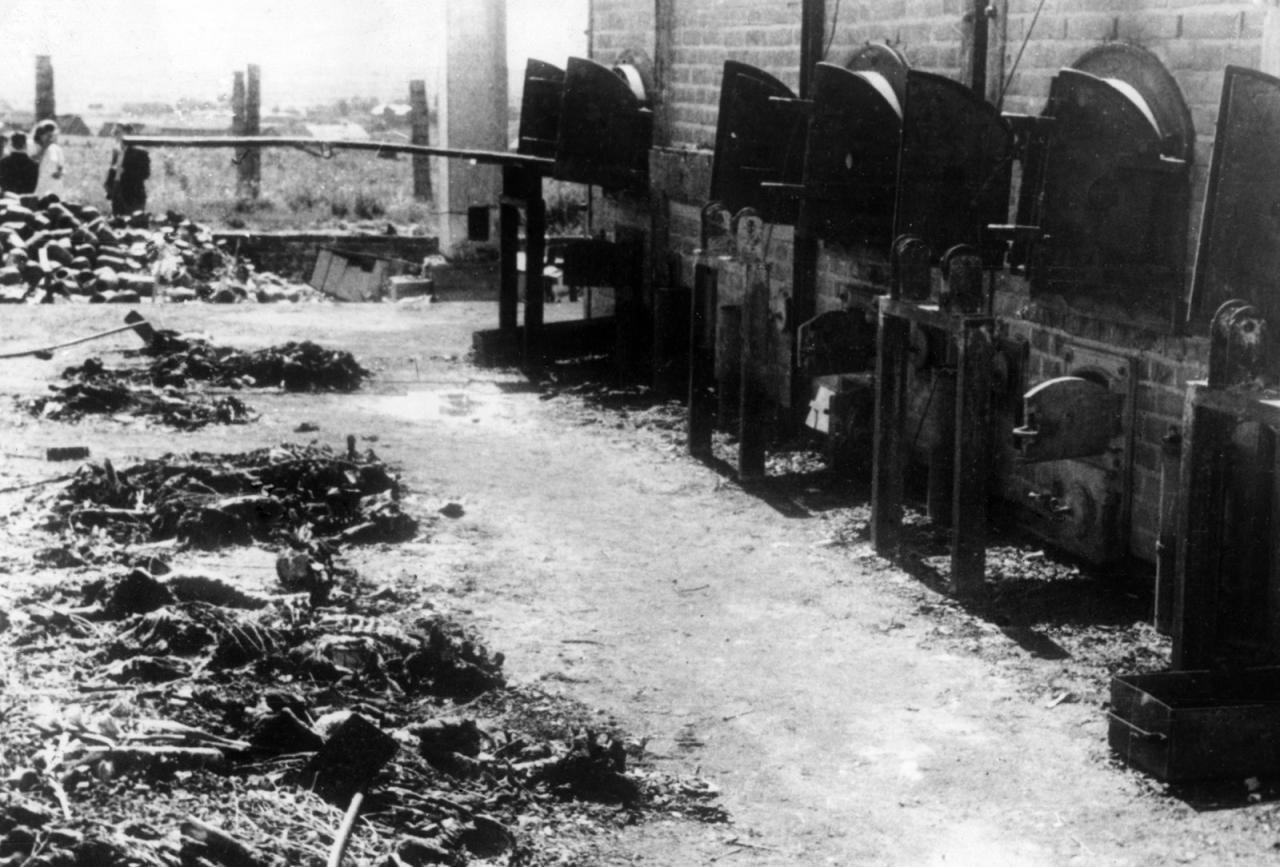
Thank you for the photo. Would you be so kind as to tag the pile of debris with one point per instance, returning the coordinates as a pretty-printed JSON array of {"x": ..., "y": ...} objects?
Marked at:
[
  {"x": 92, "y": 389},
  {"x": 294, "y": 366},
  {"x": 182, "y": 719},
  {"x": 207, "y": 501},
  {"x": 54, "y": 250},
  {"x": 177, "y": 362}
]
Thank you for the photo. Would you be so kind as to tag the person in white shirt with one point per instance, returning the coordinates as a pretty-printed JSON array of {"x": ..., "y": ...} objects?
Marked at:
[{"x": 51, "y": 158}]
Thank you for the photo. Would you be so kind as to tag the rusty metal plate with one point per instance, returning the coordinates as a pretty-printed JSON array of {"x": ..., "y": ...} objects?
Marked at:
[
  {"x": 953, "y": 178},
  {"x": 851, "y": 163},
  {"x": 1069, "y": 417},
  {"x": 1113, "y": 208},
  {"x": 540, "y": 108},
  {"x": 605, "y": 129},
  {"x": 1142, "y": 70},
  {"x": 1239, "y": 255},
  {"x": 884, "y": 59},
  {"x": 758, "y": 140}
]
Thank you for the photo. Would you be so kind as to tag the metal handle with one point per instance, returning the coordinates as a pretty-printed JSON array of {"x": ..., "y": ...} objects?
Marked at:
[{"x": 1136, "y": 732}]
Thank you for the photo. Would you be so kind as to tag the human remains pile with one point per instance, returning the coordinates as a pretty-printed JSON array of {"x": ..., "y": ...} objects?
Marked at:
[
  {"x": 155, "y": 717},
  {"x": 210, "y": 501},
  {"x": 178, "y": 362},
  {"x": 53, "y": 250}
]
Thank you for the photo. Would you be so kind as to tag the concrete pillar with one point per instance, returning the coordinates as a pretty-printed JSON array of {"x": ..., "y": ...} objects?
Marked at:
[
  {"x": 473, "y": 112},
  {"x": 45, "y": 106}
]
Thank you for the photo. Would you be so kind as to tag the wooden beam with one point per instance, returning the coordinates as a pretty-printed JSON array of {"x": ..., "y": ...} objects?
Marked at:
[
  {"x": 813, "y": 21},
  {"x": 420, "y": 121},
  {"x": 237, "y": 103},
  {"x": 753, "y": 422},
  {"x": 974, "y": 423},
  {"x": 535, "y": 249},
  {"x": 981, "y": 38},
  {"x": 249, "y": 167},
  {"x": 888, "y": 454},
  {"x": 702, "y": 404},
  {"x": 46, "y": 105},
  {"x": 513, "y": 189},
  {"x": 1206, "y": 441}
]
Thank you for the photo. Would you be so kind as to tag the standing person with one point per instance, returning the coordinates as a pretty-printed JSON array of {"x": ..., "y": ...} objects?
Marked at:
[
  {"x": 126, "y": 183},
  {"x": 52, "y": 161},
  {"x": 18, "y": 171}
]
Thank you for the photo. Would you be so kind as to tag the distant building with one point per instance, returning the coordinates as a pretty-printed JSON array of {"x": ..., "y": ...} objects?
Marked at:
[
  {"x": 392, "y": 113},
  {"x": 345, "y": 130},
  {"x": 108, "y": 129},
  {"x": 73, "y": 124}
]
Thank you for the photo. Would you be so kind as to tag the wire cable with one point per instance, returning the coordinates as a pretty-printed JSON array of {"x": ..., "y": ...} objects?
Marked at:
[
  {"x": 831, "y": 35},
  {"x": 1018, "y": 59}
]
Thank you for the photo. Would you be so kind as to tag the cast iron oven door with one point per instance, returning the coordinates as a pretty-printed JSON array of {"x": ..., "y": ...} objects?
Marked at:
[
  {"x": 851, "y": 165},
  {"x": 605, "y": 129},
  {"x": 1068, "y": 417},
  {"x": 759, "y": 139},
  {"x": 1113, "y": 203},
  {"x": 953, "y": 170},
  {"x": 540, "y": 109},
  {"x": 1239, "y": 253}
]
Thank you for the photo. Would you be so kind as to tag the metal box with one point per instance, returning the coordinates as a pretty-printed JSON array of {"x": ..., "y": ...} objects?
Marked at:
[{"x": 1180, "y": 726}]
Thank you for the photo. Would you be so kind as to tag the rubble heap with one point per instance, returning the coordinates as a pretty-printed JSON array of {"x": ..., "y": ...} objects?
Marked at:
[{"x": 54, "y": 250}]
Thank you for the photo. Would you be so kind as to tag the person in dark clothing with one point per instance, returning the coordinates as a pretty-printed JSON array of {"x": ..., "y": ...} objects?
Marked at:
[
  {"x": 18, "y": 171},
  {"x": 126, "y": 183}
]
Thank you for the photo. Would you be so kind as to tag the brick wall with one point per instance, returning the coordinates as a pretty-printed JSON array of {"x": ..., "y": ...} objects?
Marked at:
[
  {"x": 1194, "y": 40},
  {"x": 617, "y": 25},
  {"x": 705, "y": 35}
]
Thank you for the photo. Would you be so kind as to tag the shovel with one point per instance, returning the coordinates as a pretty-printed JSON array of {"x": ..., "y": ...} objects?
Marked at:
[
  {"x": 134, "y": 322},
  {"x": 344, "y": 767}
]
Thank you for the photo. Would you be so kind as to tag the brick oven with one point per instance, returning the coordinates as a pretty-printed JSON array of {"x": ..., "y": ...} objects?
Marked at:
[{"x": 1104, "y": 208}]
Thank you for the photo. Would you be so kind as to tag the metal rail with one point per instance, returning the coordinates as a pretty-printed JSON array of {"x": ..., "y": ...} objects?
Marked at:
[
  {"x": 485, "y": 157},
  {"x": 522, "y": 177}
]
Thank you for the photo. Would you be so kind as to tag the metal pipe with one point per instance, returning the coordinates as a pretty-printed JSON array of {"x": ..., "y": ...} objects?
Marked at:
[{"x": 483, "y": 157}]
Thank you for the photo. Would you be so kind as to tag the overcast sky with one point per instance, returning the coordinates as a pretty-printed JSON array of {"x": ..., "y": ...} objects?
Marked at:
[{"x": 309, "y": 50}]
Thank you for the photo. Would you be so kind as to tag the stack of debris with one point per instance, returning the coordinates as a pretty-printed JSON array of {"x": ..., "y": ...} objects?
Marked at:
[
  {"x": 55, "y": 250},
  {"x": 208, "y": 501},
  {"x": 186, "y": 719},
  {"x": 293, "y": 366},
  {"x": 177, "y": 362}
]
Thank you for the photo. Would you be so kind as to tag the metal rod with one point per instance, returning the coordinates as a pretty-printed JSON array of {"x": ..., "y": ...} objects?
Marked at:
[
  {"x": 1008, "y": 80},
  {"x": 485, "y": 157}
]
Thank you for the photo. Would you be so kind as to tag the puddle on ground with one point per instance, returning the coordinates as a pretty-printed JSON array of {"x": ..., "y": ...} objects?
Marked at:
[{"x": 469, "y": 405}]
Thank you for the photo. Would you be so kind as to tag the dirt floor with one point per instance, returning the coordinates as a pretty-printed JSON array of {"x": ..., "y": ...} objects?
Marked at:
[{"x": 848, "y": 711}]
